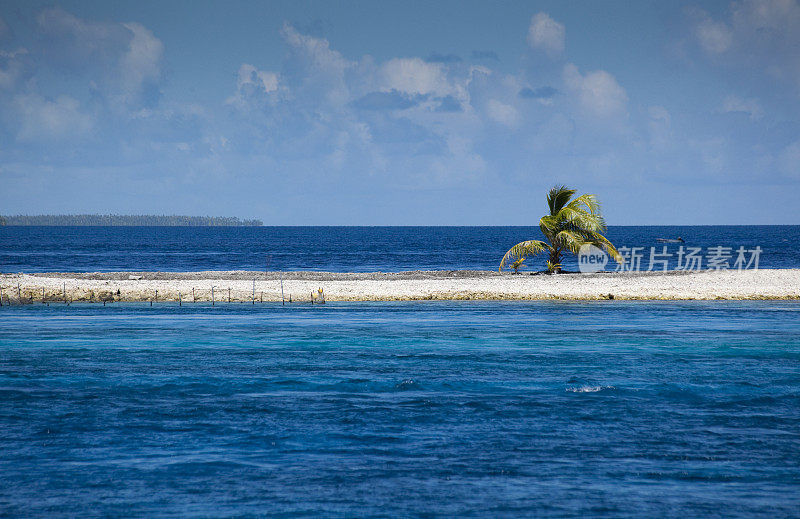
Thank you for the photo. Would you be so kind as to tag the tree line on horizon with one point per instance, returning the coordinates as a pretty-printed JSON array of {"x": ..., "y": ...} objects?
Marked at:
[{"x": 127, "y": 220}]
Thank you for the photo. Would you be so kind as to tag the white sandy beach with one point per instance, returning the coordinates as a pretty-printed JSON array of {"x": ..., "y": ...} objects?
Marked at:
[{"x": 237, "y": 286}]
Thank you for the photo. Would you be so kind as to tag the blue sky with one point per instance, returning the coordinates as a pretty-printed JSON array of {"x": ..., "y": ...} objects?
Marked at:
[{"x": 402, "y": 113}]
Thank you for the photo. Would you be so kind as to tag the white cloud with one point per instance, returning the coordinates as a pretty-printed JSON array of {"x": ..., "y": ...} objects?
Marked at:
[
  {"x": 122, "y": 59},
  {"x": 546, "y": 34},
  {"x": 80, "y": 44},
  {"x": 141, "y": 63},
  {"x": 713, "y": 37},
  {"x": 751, "y": 106},
  {"x": 260, "y": 79},
  {"x": 757, "y": 35},
  {"x": 360, "y": 117},
  {"x": 315, "y": 70},
  {"x": 317, "y": 50},
  {"x": 502, "y": 113},
  {"x": 414, "y": 76},
  {"x": 11, "y": 68},
  {"x": 253, "y": 83},
  {"x": 776, "y": 16},
  {"x": 40, "y": 118},
  {"x": 598, "y": 92}
]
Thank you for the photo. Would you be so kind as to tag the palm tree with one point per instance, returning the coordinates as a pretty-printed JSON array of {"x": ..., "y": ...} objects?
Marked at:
[
  {"x": 520, "y": 263},
  {"x": 569, "y": 225}
]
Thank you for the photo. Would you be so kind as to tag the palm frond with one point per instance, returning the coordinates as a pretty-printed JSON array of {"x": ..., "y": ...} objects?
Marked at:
[
  {"x": 548, "y": 224},
  {"x": 601, "y": 242},
  {"x": 577, "y": 219},
  {"x": 569, "y": 240},
  {"x": 589, "y": 202},
  {"x": 558, "y": 198},
  {"x": 523, "y": 250}
]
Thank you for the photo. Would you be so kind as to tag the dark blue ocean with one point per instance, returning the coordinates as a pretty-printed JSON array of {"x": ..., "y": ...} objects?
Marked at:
[
  {"x": 435, "y": 409},
  {"x": 343, "y": 249}
]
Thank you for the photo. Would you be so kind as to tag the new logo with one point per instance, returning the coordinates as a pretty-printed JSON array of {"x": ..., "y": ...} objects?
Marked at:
[{"x": 591, "y": 259}]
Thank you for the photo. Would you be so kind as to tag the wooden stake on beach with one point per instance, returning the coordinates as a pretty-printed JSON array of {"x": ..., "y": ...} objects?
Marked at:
[
  {"x": 43, "y": 301},
  {"x": 180, "y": 303},
  {"x": 229, "y": 294},
  {"x": 65, "y": 291},
  {"x": 254, "y": 291},
  {"x": 193, "y": 299},
  {"x": 1, "y": 297},
  {"x": 212, "y": 295}
]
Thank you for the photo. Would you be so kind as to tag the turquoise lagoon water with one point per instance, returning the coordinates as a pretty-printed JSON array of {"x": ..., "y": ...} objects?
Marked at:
[{"x": 570, "y": 409}]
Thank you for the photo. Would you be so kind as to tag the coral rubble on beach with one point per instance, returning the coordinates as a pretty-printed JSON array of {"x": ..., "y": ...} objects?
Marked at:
[{"x": 245, "y": 286}]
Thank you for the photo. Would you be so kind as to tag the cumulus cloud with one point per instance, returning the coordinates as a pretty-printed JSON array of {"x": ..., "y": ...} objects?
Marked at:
[
  {"x": 780, "y": 17},
  {"x": 140, "y": 64},
  {"x": 598, "y": 92},
  {"x": 73, "y": 43},
  {"x": 11, "y": 68},
  {"x": 546, "y": 34},
  {"x": 41, "y": 118},
  {"x": 324, "y": 120},
  {"x": 314, "y": 70},
  {"x": 414, "y": 76},
  {"x": 125, "y": 58},
  {"x": 324, "y": 109},
  {"x": 751, "y": 106},
  {"x": 392, "y": 100},
  {"x": 761, "y": 35},
  {"x": 713, "y": 37},
  {"x": 252, "y": 84},
  {"x": 502, "y": 113},
  {"x": 251, "y": 77},
  {"x": 409, "y": 115}
]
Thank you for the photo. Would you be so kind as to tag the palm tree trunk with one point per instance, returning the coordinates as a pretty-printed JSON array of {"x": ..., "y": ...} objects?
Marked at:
[{"x": 555, "y": 259}]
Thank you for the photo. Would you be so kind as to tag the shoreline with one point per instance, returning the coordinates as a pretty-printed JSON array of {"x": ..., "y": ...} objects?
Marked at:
[{"x": 298, "y": 286}]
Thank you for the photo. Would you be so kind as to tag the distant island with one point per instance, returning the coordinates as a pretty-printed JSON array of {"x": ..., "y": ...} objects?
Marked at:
[{"x": 128, "y": 220}]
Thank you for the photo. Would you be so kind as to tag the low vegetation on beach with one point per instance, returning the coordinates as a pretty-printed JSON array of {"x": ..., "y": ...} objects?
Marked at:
[{"x": 569, "y": 225}]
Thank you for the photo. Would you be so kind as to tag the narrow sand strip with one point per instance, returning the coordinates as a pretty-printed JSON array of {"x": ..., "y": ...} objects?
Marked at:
[{"x": 237, "y": 286}]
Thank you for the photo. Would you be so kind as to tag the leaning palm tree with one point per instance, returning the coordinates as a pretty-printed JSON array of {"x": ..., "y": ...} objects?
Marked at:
[{"x": 570, "y": 224}]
